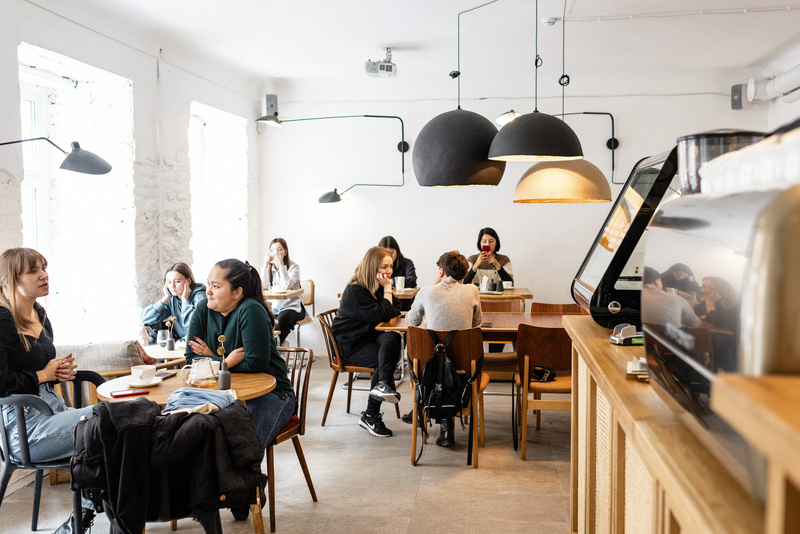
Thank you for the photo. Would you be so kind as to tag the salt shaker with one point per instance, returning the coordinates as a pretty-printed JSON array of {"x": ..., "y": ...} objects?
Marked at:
[{"x": 224, "y": 376}]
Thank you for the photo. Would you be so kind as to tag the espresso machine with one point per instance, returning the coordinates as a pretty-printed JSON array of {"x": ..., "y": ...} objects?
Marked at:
[{"x": 735, "y": 229}]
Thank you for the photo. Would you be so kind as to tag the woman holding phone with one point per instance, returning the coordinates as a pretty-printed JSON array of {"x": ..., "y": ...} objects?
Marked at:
[
  {"x": 366, "y": 301},
  {"x": 282, "y": 273},
  {"x": 28, "y": 363},
  {"x": 489, "y": 263},
  {"x": 181, "y": 293}
]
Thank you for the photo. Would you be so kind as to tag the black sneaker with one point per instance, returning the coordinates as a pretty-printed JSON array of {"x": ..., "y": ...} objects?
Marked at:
[
  {"x": 374, "y": 425},
  {"x": 408, "y": 417},
  {"x": 385, "y": 392}
]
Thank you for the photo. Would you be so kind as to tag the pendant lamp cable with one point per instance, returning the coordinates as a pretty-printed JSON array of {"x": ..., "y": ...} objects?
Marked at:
[
  {"x": 457, "y": 73},
  {"x": 536, "y": 63},
  {"x": 563, "y": 81}
]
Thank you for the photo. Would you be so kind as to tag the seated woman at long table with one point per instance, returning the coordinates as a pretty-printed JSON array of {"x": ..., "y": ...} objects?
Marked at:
[
  {"x": 181, "y": 293},
  {"x": 448, "y": 305},
  {"x": 235, "y": 324},
  {"x": 489, "y": 263},
  {"x": 366, "y": 301}
]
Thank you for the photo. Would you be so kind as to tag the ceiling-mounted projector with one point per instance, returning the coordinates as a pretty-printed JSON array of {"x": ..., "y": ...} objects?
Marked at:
[{"x": 382, "y": 69}]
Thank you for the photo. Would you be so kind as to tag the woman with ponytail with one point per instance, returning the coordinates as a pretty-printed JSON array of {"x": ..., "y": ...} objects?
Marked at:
[{"x": 236, "y": 309}]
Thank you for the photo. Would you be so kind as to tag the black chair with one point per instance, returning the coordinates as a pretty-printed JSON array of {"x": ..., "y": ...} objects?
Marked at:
[{"x": 8, "y": 465}]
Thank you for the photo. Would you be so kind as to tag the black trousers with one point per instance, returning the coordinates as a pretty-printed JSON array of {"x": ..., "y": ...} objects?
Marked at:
[
  {"x": 286, "y": 320},
  {"x": 381, "y": 354}
]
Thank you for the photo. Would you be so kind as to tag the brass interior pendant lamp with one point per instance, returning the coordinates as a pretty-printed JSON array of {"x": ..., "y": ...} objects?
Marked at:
[{"x": 559, "y": 179}]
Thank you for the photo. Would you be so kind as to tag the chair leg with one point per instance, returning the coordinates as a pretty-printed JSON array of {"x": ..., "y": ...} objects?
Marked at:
[
  {"x": 414, "y": 423},
  {"x": 271, "y": 486},
  {"x": 330, "y": 396},
  {"x": 523, "y": 414},
  {"x": 37, "y": 497},
  {"x": 5, "y": 476},
  {"x": 210, "y": 522},
  {"x": 397, "y": 410},
  {"x": 258, "y": 514},
  {"x": 538, "y": 396},
  {"x": 349, "y": 390},
  {"x": 302, "y": 459},
  {"x": 77, "y": 515},
  {"x": 173, "y": 525},
  {"x": 480, "y": 419}
]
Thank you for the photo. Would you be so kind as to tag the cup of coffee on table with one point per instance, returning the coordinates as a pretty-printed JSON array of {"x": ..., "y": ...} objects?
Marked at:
[
  {"x": 400, "y": 283},
  {"x": 143, "y": 374}
]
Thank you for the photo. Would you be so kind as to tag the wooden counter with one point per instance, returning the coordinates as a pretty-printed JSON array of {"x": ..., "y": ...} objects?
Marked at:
[
  {"x": 764, "y": 410},
  {"x": 635, "y": 467}
]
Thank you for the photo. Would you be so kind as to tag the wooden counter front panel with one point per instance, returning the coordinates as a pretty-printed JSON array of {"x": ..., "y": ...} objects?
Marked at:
[{"x": 636, "y": 468}]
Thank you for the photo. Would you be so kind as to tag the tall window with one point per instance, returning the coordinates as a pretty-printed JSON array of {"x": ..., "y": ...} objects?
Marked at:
[
  {"x": 83, "y": 224},
  {"x": 218, "y": 167}
]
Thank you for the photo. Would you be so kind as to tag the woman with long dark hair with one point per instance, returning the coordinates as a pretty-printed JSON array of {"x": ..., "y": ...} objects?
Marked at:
[
  {"x": 489, "y": 262},
  {"x": 366, "y": 301},
  {"x": 236, "y": 310},
  {"x": 279, "y": 272},
  {"x": 181, "y": 293}
]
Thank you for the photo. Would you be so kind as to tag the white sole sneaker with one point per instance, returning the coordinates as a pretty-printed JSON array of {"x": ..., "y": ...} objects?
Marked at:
[
  {"x": 363, "y": 424},
  {"x": 392, "y": 398}
]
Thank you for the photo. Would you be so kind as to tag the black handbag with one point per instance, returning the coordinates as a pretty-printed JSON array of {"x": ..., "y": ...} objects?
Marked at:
[{"x": 542, "y": 374}]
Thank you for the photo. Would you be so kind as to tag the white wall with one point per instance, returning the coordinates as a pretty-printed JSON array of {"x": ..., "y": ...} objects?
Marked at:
[{"x": 546, "y": 242}]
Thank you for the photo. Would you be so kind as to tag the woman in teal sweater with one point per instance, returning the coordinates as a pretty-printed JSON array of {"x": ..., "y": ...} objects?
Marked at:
[{"x": 236, "y": 309}]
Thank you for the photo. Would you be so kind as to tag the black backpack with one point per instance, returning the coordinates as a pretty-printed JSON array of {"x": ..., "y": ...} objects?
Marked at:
[{"x": 443, "y": 392}]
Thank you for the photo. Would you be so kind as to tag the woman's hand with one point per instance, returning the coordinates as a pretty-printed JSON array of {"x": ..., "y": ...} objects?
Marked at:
[
  {"x": 199, "y": 347},
  {"x": 187, "y": 291},
  {"x": 235, "y": 358},
  {"x": 268, "y": 257},
  {"x": 385, "y": 280},
  {"x": 57, "y": 370},
  {"x": 486, "y": 257}
]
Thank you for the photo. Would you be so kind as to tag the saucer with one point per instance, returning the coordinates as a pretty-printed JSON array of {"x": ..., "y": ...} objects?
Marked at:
[{"x": 156, "y": 381}]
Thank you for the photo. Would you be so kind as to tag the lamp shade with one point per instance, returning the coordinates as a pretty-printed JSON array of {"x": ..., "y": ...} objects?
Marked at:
[
  {"x": 80, "y": 160},
  {"x": 570, "y": 181},
  {"x": 330, "y": 196},
  {"x": 536, "y": 137},
  {"x": 452, "y": 150}
]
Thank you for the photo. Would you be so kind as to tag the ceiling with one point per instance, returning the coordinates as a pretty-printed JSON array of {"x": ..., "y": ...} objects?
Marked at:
[{"x": 319, "y": 38}]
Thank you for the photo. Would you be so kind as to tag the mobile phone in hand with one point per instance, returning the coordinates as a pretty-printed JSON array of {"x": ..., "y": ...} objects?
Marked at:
[{"x": 485, "y": 248}]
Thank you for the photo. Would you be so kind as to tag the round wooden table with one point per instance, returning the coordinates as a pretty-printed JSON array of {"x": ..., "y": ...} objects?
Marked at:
[{"x": 246, "y": 385}]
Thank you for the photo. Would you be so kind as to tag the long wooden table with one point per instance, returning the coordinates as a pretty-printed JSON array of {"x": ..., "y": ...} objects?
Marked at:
[
  {"x": 523, "y": 292},
  {"x": 496, "y": 326},
  {"x": 246, "y": 385},
  {"x": 281, "y": 295}
]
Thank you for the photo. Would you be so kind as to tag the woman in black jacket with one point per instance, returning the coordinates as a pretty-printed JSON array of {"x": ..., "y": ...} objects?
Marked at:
[{"x": 366, "y": 301}]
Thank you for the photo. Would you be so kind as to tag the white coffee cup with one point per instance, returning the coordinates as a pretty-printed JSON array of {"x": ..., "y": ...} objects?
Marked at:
[
  {"x": 508, "y": 285},
  {"x": 143, "y": 374},
  {"x": 215, "y": 367},
  {"x": 400, "y": 283}
]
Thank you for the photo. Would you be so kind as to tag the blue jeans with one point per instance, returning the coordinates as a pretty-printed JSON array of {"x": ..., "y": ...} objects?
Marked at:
[
  {"x": 270, "y": 414},
  {"x": 49, "y": 437}
]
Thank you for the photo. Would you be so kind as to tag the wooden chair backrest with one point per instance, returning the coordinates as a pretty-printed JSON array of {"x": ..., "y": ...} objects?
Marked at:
[
  {"x": 299, "y": 375},
  {"x": 467, "y": 345},
  {"x": 325, "y": 322},
  {"x": 308, "y": 292},
  {"x": 548, "y": 347},
  {"x": 514, "y": 303},
  {"x": 557, "y": 309}
]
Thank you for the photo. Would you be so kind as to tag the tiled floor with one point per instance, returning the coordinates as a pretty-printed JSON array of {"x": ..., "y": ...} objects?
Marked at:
[{"x": 368, "y": 485}]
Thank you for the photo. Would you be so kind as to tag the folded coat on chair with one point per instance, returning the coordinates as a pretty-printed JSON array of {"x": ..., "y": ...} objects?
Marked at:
[{"x": 191, "y": 463}]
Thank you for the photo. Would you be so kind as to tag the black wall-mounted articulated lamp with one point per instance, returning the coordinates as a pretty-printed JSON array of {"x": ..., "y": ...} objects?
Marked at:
[
  {"x": 79, "y": 160},
  {"x": 402, "y": 146}
]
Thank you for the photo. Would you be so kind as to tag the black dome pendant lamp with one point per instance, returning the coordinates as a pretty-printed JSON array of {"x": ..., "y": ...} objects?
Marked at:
[
  {"x": 452, "y": 148},
  {"x": 536, "y": 136}
]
